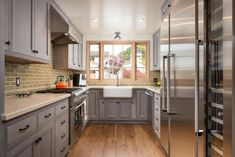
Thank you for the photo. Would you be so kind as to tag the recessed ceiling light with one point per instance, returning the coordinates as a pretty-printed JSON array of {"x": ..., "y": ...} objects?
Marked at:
[
  {"x": 94, "y": 20},
  {"x": 140, "y": 20}
]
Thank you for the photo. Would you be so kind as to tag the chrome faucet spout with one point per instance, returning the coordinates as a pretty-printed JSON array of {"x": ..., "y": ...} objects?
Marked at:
[{"x": 118, "y": 81}]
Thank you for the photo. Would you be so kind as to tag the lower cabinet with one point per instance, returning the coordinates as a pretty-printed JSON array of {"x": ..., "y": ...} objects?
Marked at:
[
  {"x": 157, "y": 115},
  {"x": 142, "y": 105},
  {"x": 124, "y": 109},
  {"x": 36, "y": 146},
  {"x": 94, "y": 98},
  {"x": 115, "y": 109},
  {"x": 42, "y": 133}
]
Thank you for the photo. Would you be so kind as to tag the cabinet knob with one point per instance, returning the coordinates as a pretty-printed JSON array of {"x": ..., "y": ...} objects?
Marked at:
[{"x": 7, "y": 42}]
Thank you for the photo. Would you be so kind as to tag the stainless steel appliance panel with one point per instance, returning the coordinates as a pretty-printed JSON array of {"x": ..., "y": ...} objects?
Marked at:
[
  {"x": 181, "y": 106},
  {"x": 164, "y": 48},
  {"x": 219, "y": 100},
  {"x": 227, "y": 73}
]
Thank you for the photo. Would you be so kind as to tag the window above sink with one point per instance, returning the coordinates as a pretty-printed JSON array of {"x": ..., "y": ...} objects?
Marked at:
[{"x": 129, "y": 60}]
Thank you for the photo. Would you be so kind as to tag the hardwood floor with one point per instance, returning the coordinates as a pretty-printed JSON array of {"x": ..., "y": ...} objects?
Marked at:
[{"x": 117, "y": 140}]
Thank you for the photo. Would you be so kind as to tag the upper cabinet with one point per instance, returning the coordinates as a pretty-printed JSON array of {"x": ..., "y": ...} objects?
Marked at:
[
  {"x": 156, "y": 51},
  {"x": 26, "y": 37},
  {"x": 68, "y": 56},
  {"x": 40, "y": 28}
]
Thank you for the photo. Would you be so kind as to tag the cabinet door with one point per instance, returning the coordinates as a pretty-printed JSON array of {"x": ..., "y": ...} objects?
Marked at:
[
  {"x": 71, "y": 63},
  {"x": 21, "y": 27},
  {"x": 25, "y": 149},
  {"x": 111, "y": 110},
  {"x": 40, "y": 28},
  {"x": 142, "y": 101},
  {"x": 45, "y": 145},
  {"x": 124, "y": 110},
  {"x": 156, "y": 51},
  {"x": 92, "y": 109},
  {"x": 75, "y": 55},
  {"x": 80, "y": 57}
]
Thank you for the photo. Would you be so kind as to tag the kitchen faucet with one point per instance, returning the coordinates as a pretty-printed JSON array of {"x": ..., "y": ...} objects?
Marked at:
[{"x": 118, "y": 81}]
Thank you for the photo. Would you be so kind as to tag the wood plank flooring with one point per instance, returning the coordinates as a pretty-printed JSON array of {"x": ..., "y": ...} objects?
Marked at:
[{"x": 117, "y": 140}]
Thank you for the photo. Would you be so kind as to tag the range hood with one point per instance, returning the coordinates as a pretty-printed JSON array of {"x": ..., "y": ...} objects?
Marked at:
[{"x": 61, "y": 31}]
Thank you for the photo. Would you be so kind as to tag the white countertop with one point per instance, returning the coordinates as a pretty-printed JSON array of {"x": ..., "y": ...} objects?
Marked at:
[{"x": 17, "y": 106}]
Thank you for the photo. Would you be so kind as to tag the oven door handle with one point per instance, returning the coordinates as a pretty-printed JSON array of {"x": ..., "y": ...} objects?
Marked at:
[{"x": 78, "y": 106}]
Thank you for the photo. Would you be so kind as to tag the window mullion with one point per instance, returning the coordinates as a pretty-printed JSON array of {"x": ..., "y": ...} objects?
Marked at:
[
  {"x": 101, "y": 68},
  {"x": 133, "y": 61}
]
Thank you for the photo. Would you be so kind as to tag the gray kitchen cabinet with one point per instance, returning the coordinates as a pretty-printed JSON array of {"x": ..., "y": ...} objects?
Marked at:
[
  {"x": 111, "y": 109},
  {"x": 24, "y": 150},
  {"x": 41, "y": 28},
  {"x": 142, "y": 102},
  {"x": 156, "y": 50},
  {"x": 157, "y": 114},
  {"x": 39, "y": 133},
  {"x": 94, "y": 96},
  {"x": 67, "y": 57},
  {"x": 115, "y": 109},
  {"x": 150, "y": 107},
  {"x": 20, "y": 33},
  {"x": 38, "y": 145},
  {"x": 44, "y": 144},
  {"x": 124, "y": 109},
  {"x": 26, "y": 25}
]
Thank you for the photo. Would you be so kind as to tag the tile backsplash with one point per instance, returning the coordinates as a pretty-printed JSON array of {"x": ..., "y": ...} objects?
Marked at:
[
  {"x": 32, "y": 77},
  {"x": 40, "y": 76}
]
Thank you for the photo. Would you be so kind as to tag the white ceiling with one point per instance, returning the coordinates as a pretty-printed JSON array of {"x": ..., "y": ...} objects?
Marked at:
[{"x": 113, "y": 15}]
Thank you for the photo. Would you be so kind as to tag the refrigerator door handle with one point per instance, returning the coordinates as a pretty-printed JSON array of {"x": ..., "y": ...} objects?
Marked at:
[
  {"x": 164, "y": 84},
  {"x": 198, "y": 42},
  {"x": 169, "y": 108}
]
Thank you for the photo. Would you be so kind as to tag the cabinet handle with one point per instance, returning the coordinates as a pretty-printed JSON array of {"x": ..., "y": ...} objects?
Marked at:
[
  {"x": 21, "y": 130},
  {"x": 62, "y": 123},
  {"x": 47, "y": 116},
  {"x": 63, "y": 107},
  {"x": 62, "y": 136},
  {"x": 7, "y": 42},
  {"x": 36, "y": 52},
  {"x": 38, "y": 140},
  {"x": 62, "y": 150}
]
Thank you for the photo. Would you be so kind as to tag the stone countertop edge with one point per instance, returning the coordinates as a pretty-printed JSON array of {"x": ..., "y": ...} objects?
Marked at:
[
  {"x": 11, "y": 115},
  {"x": 28, "y": 109}
]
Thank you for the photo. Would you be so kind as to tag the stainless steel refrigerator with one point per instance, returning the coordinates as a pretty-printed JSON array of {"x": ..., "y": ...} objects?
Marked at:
[{"x": 196, "y": 49}]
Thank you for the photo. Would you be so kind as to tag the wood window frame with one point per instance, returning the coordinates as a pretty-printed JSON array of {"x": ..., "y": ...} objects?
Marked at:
[{"x": 101, "y": 54}]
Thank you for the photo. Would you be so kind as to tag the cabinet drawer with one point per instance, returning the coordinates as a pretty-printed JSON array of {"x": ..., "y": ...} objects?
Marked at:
[
  {"x": 21, "y": 128},
  {"x": 156, "y": 113},
  {"x": 62, "y": 123},
  {"x": 157, "y": 104},
  {"x": 157, "y": 97},
  {"x": 62, "y": 149},
  {"x": 62, "y": 136},
  {"x": 157, "y": 131},
  {"x": 46, "y": 115},
  {"x": 157, "y": 124},
  {"x": 62, "y": 106}
]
